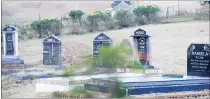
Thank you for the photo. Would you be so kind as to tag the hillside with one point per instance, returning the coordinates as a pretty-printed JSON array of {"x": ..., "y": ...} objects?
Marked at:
[
  {"x": 26, "y": 11},
  {"x": 169, "y": 44}
]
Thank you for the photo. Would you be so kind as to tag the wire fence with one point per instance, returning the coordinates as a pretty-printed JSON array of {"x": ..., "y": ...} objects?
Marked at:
[{"x": 177, "y": 10}]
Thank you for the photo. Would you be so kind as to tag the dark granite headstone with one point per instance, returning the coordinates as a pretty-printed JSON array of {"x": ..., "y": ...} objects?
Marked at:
[
  {"x": 101, "y": 41},
  {"x": 142, "y": 44},
  {"x": 52, "y": 51},
  {"x": 198, "y": 58},
  {"x": 9, "y": 44}
]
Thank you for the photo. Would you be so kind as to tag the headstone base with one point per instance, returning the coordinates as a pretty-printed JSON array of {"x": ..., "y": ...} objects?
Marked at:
[
  {"x": 153, "y": 71},
  {"x": 56, "y": 67},
  {"x": 102, "y": 69},
  {"x": 11, "y": 60},
  {"x": 148, "y": 67}
]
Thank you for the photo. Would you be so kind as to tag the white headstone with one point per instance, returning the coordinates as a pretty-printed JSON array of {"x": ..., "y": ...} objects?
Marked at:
[{"x": 10, "y": 39}]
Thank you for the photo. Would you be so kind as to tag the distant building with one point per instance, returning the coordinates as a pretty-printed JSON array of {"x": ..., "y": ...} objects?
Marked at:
[{"x": 117, "y": 5}]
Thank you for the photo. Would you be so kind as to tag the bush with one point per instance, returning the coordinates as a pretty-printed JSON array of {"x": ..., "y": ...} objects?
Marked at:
[
  {"x": 139, "y": 12},
  {"x": 124, "y": 18},
  {"x": 114, "y": 57},
  {"x": 46, "y": 27},
  {"x": 25, "y": 32},
  {"x": 76, "y": 16},
  {"x": 93, "y": 19},
  {"x": 149, "y": 11},
  {"x": 107, "y": 19}
]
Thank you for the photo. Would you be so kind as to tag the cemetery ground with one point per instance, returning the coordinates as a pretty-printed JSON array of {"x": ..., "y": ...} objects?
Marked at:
[{"x": 169, "y": 43}]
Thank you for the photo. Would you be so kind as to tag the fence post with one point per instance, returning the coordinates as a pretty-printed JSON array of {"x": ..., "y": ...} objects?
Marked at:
[
  {"x": 167, "y": 12},
  {"x": 40, "y": 32},
  {"x": 61, "y": 26},
  {"x": 178, "y": 9}
]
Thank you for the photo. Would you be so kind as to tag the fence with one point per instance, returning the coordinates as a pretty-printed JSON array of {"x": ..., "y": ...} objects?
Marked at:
[{"x": 181, "y": 10}]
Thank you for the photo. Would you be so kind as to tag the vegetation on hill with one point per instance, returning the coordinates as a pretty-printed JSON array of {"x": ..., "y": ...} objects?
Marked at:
[{"x": 78, "y": 22}]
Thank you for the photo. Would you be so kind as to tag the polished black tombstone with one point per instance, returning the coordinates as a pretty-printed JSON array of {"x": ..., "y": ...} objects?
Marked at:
[
  {"x": 198, "y": 58},
  {"x": 142, "y": 45},
  {"x": 101, "y": 41},
  {"x": 52, "y": 51}
]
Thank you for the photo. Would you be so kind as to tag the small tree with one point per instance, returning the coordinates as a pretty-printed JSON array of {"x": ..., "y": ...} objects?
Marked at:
[
  {"x": 76, "y": 16},
  {"x": 46, "y": 27},
  {"x": 94, "y": 18},
  {"x": 148, "y": 11},
  {"x": 151, "y": 11},
  {"x": 107, "y": 19},
  {"x": 139, "y": 12},
  {"x": 124, "y": 18}
]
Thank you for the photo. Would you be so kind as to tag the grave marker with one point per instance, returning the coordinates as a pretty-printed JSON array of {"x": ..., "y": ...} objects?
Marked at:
[
  {"x": 126, "y": 43},
  {"x": 52, "y": 51},
  {"x": 10, "y": 46},
  {"x": 198, "y": 58},
  {"x": 101, "y": 41},
  {"x": 142, "y": 46}
]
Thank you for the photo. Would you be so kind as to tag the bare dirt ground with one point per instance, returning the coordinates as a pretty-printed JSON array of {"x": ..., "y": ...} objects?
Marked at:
[{"x": 169, "y": 43}]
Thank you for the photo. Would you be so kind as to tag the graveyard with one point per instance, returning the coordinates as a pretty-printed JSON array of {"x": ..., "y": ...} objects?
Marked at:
[{"x": 174, "y": 58}]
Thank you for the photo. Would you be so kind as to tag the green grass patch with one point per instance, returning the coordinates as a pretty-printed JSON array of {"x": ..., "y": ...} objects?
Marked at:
[
  {"x": 68, "y": 73},
  {"x": 134, "y": 66}
]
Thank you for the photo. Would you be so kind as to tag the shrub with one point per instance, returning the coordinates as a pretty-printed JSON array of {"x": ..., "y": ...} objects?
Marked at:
[
  {"x": 25, "y": 32},
  {"x": 93, "y": 19},
  {"x": 151, "y": 11},
  {"x": 113, "y": 57},
  {"x": 76, "y": 16},
  {"x": 123, "y": 18},
  {"x": 139, "y": 12},
  {"x": 46, "y": 27},
  {"x": 148, "y": 11},
  {"x": 108, "y": 20}
]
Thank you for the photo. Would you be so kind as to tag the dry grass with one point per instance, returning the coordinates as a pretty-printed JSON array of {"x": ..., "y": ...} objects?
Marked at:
[{"x": 169, "y": 44}]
